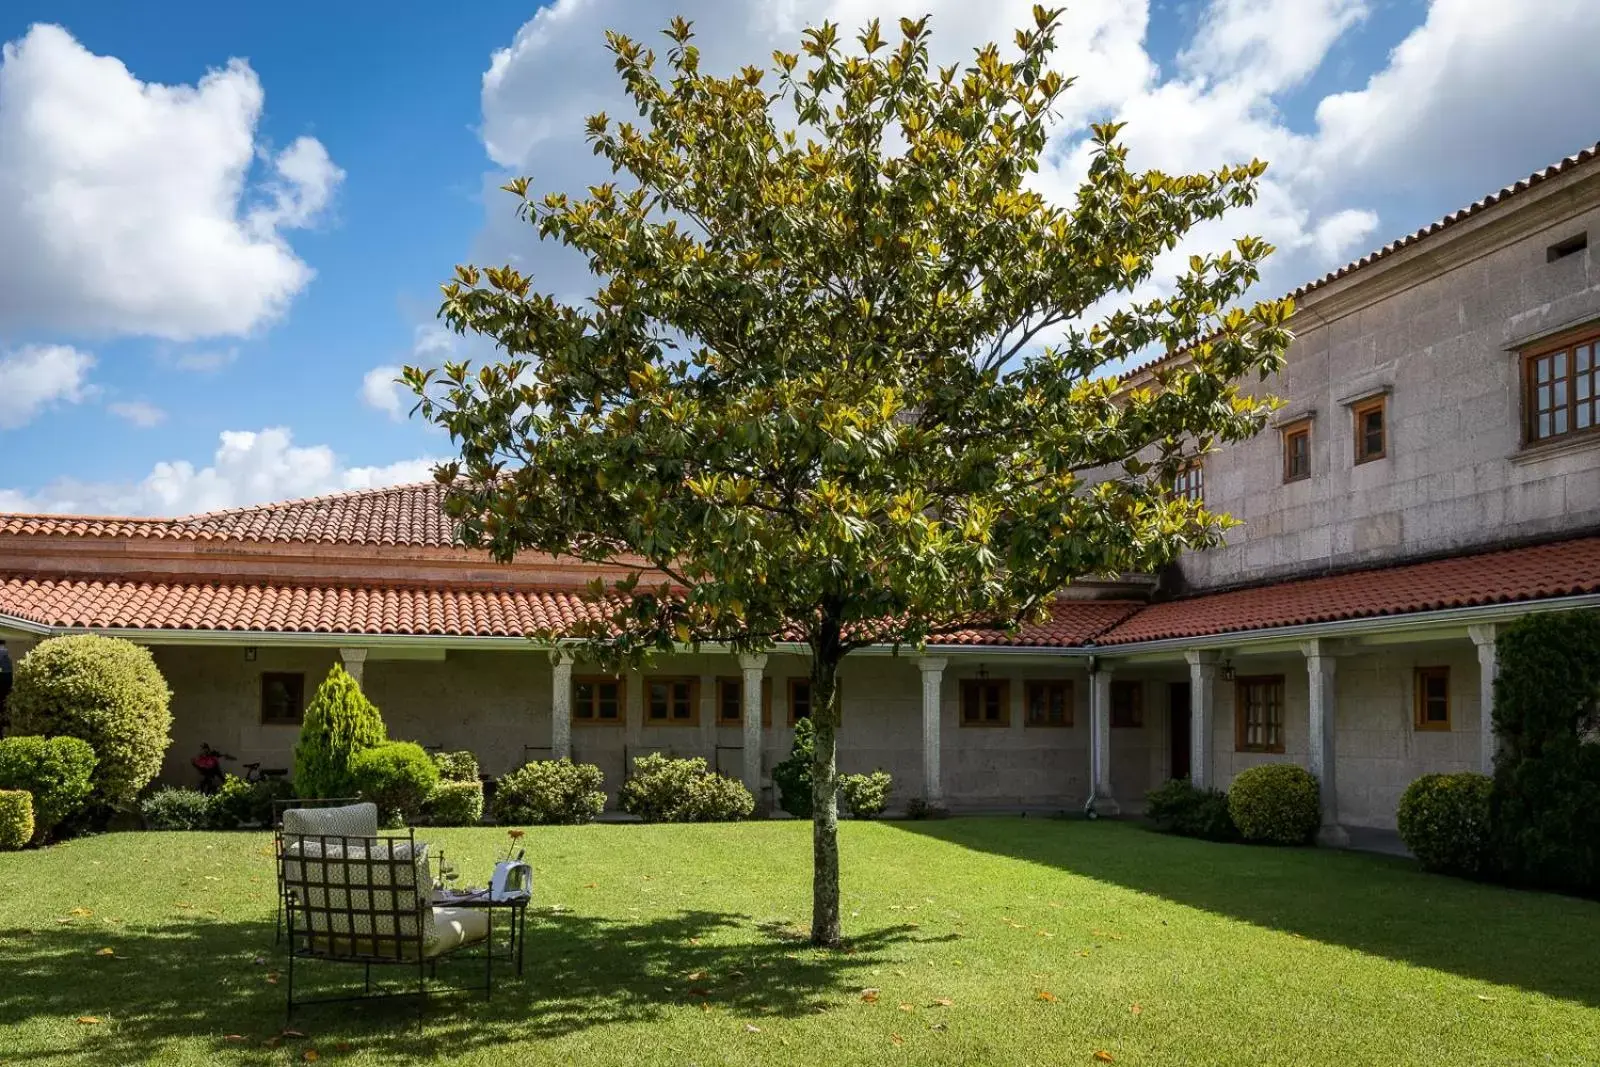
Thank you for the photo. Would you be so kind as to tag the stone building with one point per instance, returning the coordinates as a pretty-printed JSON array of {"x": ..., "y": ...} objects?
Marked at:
[{"x": 1433, "y": 474}]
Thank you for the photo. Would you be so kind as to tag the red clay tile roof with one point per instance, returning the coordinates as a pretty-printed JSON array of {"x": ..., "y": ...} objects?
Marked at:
[
  {"x": 1566, "y": 568},
  {"x": 1072, "y": 622},
  {"x": 401, "y": 515}
]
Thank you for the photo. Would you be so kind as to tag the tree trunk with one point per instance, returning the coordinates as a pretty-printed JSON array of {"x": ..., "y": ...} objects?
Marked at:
[{"x": 825, "y": 801}]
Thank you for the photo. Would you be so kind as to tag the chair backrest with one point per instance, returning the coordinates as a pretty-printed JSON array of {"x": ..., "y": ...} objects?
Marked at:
[
  {"x": 357, "y": 897},
  {"x": 347, "y": 819}
]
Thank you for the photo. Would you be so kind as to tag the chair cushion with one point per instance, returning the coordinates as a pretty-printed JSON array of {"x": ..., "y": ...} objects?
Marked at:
[
  {"x": 348, "y": 820},
  {"x": 454, "y": 927},
  {"x": 361, "y": 896}
]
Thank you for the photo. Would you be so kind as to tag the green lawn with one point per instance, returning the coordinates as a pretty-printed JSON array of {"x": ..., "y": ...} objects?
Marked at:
[{"x": 989, "y": 941}]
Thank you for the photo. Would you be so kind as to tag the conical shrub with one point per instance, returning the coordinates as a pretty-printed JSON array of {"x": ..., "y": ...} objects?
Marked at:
[{"x": 339, "y": 722}]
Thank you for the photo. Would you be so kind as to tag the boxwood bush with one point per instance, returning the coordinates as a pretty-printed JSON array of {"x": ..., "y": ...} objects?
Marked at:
[
  {"x": 793, "y": 776},
  {"x": 397, "y": 776},
  {"x": 16, "y": 819},
  {"x": 1275, "y": 804},
  {"x": 1444, "y": 821},
  {"x": 1179, "y": 807},
  {"x": 58, "y": 772},
  {"x": 239, "y": 803},
  {"x": 866, "y": 795},
  {"x": 455, "y": 803},
  {"x": 171, "y": 808},
  {"x": 663, "y": 789},
  {"x": 459, "y": 766},
  {"x": 549, "y": 792},
  {"x": 339, "y": 722},
  {"x": 104, "y": 691}
]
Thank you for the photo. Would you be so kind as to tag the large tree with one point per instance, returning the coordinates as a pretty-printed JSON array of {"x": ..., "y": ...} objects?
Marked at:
[{"x": 811, "y": 393}]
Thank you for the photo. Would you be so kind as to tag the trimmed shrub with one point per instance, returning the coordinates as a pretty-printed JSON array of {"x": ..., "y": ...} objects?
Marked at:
[
  {"x": 550, "y": 792},
  {"x": 58, "y": 772},
  {"x": 170, "y": 808},
  {"x": 102, "y": 690},
  {"x": 1275, "y": 804},
  {"x": 1444, "y": 821},
  {"x": 455, "y": 803},
  {"x": 716, "y": 798},
  {"x": 866, "y": 795},
  {"x": 457, "y": 766},
  {"x": 793, "y": 775},
  {"x": 1544, "y": 808},
  {"x": 1178, "y": 807},
  {"x": 239, "y": 803},
  {"x": 397, "y": 776},
  {"x": 659, "y": 787},
  {"x": 16, "y": 819},
  {"x": 339, "y": 722}
]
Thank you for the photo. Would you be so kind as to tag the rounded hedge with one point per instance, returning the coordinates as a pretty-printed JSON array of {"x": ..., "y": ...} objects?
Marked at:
[
  {"x": 16, "y": 819},
  {"x": 459, "y": 766},
  {"x": 1179, "y": 807},
  {"x": 238, "y": 802},
  {"x": 1444, "y": 821},
  {"x": 171, "y": 808},
  {"x": 866, "y": 795},
  {"x": 550, "y": 792},
  {"x": 455, "y": 803},
  {"x": 58, "y": 772},
  {"x": 102, "y": 690},
  {"x": 1275, "y": 803},
  {"x": 397, "y": 776},
  {"x": 339, "y": 722}
]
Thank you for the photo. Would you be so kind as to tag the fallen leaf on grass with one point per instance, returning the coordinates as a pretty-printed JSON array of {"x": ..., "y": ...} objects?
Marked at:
[
  {"x": 1136, "y": 1009},
  {"x": 705, "y": 1007},
  {"x": 942, "y": 1002},
  {"x": 88, "y": 1020},
  {"x": 105, "y": 952},
  {"x": 1102, "y": 1056},
  {"x": 750, "y": 1028},
  {"x": 1489, "y": 1000},
  {"x": 1047, "y": 996},
  {"x": 897, "y": 1039},
  {"x": 235, "y": 1038},
  {"x": 697, "y": 976},
  {"x": 311, "y": 1055},
  {"x": 290, "y": 1033},
  {"x": 272, "y": 979},
  {"x": 870, "y": 996},
  {"x": 938, "y": 1026},
  {"x": 341, "y": 1046},
  {"x": 907, "y": 1007},
  {"x": 591, "y": 885},
  {"x": 82, "y": 913}
]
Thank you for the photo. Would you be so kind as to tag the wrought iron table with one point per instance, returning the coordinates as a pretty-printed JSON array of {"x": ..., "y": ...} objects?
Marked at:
[{"x": 515, "y": 903}]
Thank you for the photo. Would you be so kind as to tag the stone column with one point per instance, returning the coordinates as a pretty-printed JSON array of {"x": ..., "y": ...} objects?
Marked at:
[
  {"x": 1105, "y": 801},
  {"x": 561, "y": 705},
  {"x": 932, "y": 668},
  {"x": 752, "y": 667},
  {"x": 1202, "y": 701},
  {"x": 1322, "y": 711},
  {"x": 355, "y": 663},
  {"x": 1488, "y": 670}
]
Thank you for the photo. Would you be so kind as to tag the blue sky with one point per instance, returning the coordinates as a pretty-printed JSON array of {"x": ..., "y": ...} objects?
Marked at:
[{"x": 254, "y": 254}]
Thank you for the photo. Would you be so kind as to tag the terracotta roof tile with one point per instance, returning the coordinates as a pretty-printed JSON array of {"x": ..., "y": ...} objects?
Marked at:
[
  {"x": 1072, "y": 622},
  {"x": 1566, "y": 568}
]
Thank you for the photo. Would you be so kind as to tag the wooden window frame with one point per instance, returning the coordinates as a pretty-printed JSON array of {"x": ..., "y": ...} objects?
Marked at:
[
  {"x": 800, "y": 679},
  {"x": 1419, "y": 718},
  {"x": 299, "y": 688},
  {"x": 1358, "y": 411},
  {"x": 594, "y": 719},
  {"x": 1241, "y": 708},
  {"x": 738, "y": 681},
  {"x": 692, "y": 681},
  {"x": 1189, "y": 483},
  {"x": 1300, "y": 430},
  {"x": 1568, "y": 345},
  {"x": 1033, "y": 686},
  {"x": 969, "y": 685},
  {"x": 1136, "y": 720}
]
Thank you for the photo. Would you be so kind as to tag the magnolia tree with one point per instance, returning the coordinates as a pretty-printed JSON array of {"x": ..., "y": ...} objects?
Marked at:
[{"x": 809, "y": 398}]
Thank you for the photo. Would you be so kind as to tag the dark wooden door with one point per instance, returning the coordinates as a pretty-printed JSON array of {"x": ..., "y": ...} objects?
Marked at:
[{"x": 1178, "y": 724}]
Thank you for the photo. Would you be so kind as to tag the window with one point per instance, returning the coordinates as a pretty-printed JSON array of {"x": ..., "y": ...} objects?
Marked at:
[
  {"x": 1190, "y": 482},
  {"x": 1127, "y": 705},
  {"x": 1372, "y": 431},
  {"x": 800, "y": 699},
  {"x": 1559, "y": 390},
  {"x": 1297, "y": 451},
  {"x": 597, "y": 701},
  {"x": 730, "y": 701},
  {"x": 672, "y": 701},
  {"x": 1433, "y": 698},
  {"x": 1258, "y": 714},
  {"x": 985, "y": 702},
  {"x": 282, "y": 698},
  {"x": 1048, "y": 703}
]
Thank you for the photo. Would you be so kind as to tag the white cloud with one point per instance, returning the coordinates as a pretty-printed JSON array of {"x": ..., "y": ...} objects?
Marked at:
[
  {"x": 248, "y": 467},
  {"x": 381, "y": 391},
  {"x": 199, "y": 360},
  {"x": 140, "y": 413},
  {"x": 126, "y": 207},
  {"x": 35, "y": 377}
]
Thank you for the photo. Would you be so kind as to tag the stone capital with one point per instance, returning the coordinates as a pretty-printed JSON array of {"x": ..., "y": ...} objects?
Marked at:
[
  {"x": 1203, "y": 657},
  {"x": 749, "y": 662},
  {"x": 931, "y": 664},
  {"x": 1483, "y": 634}
]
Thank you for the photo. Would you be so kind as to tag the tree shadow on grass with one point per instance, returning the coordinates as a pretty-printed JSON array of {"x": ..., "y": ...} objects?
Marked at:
[
  {"x": 1381, "y": 905},
  {"x": 208, "y": 980}
]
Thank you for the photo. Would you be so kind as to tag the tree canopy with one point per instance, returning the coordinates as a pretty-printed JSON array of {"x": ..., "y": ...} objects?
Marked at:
[{"x": 846, "y": 377}]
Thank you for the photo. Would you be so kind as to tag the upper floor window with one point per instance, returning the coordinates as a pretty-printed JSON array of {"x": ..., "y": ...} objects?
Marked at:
[
  {"x": 1372, "y": 429},
  {"x": 1190, "y": 482},
  {"x": 1558, "y": 390},
  {"x": 1297, "y": 451}
]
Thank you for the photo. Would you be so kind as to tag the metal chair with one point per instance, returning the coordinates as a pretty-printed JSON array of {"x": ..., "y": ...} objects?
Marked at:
[{"x": 278, "y": 808}]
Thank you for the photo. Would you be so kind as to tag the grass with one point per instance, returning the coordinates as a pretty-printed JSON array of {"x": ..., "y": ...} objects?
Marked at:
[{"x": 989, "y": 941}]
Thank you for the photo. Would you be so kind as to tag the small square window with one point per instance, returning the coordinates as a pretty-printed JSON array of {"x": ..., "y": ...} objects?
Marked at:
[
  {"x": 282, "y": 698},
  {"x": 730, "y": 701},
  {"x": 1190, "y": 482},
  {"x": 1127, "y": 705},
  {"x": 1297, "y": 452},
  {"x": 985, "y": 702},
  {"x": 1372, "y": 429},
  {"x": 1433, "y": 698},
  {"x": 1258, "y": 714},
  {"x": 597, "y": 701},
  {"x": 672, "y": 702},
  {"x": 1048, "y": 703}
]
